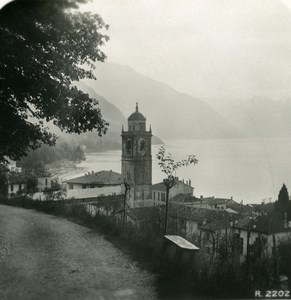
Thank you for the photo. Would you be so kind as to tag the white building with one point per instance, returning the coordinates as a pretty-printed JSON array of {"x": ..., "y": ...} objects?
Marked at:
[
  {"x": 202, "y": 203},
  {"x": 267, "y": 231},
  {"x": 91, "y": 185},
  {"x": 159, "y": 191},
  {"x": 15, "y": 185},
  {"x": 44, "y": 182}
]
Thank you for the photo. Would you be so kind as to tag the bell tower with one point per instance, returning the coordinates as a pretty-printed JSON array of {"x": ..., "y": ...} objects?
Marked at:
[{"x": 136, "y": 159}]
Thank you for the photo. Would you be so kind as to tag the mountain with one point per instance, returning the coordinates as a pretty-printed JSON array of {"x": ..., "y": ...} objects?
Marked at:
[
  {"x": 257, "y": 117},
  {"x": 172, "y": 114},
  {"x": 111, "y": 140}
]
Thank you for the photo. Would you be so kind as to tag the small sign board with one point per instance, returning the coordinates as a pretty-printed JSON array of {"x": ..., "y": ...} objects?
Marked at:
[{"x": 178, "y": 250}]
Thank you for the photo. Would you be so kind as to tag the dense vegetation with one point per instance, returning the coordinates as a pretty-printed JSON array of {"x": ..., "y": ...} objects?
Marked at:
[
  {"x": 37, "y": 159},
  {"x": 144, "y": 243},
  {"x": 46, "y": 46}
]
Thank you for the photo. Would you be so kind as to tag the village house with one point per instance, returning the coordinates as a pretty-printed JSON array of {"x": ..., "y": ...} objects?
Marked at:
[
  {"x": 195, "y": 224},
  {"x": 264, "y": 231},
  {"x": 44, "y": 182},
  {"x": 216, "y": 236},
  {"x": 159, "y": 191},
  {"x": 17, "y": 182},
  {"x": 15, "y": 185},
  {"x": 95, "y": 184},
  {"x": 211, "y": 203}
]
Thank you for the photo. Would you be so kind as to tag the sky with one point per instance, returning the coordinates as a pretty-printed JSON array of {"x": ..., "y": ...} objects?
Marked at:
[{"x": 206, "y": 48}]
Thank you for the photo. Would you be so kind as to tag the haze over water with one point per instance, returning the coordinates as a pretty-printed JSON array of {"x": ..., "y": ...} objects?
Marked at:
[{"x": 248, "y": 169}]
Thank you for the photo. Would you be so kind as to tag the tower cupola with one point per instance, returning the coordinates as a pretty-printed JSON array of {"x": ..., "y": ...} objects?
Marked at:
[{"x": 136, "y": 121}]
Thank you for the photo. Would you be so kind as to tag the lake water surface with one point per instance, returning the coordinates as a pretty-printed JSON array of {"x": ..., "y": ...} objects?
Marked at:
[{"x": 248, "y": 169}]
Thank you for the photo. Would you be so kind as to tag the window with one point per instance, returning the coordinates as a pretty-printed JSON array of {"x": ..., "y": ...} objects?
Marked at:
[
  {"x": 163, "y": 197},
  {"x": 154, "y": 195},
  {"x": 158, "y": 196},
  {"x": 142, "y": 145},
  {"x": 19, "y": 187},
  {"x": 70, "y": 186},
  {"x": 83, "y": 186},
  {"x": 11, "y": 187},
  {"x": 128, "y": 146},
  {"x": 46, "y": 181}
]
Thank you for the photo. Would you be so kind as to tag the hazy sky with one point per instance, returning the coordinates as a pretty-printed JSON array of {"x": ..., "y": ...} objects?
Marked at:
[{"x": 207, "y": 48}]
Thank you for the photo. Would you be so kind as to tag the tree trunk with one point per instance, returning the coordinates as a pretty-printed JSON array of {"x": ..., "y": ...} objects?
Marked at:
[{"x": 167, "y": 211}]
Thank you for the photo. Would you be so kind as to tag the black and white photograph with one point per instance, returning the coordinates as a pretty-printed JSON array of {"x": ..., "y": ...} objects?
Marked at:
[{"x": 145, "y": 149}]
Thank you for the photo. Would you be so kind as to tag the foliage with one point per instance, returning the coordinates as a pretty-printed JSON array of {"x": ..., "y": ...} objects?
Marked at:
[
  {"x": 169, "y": 166},
  {"x": 283, "y": 195},
  {"x": 283, "y": 204},
  {"x": 37, "y": 159},
  {"x": 3, "y": 180},
  {"x": 143, "y": 242},
  {"x": 46, "y": 46},
  {"x": 284, "y": 261}
]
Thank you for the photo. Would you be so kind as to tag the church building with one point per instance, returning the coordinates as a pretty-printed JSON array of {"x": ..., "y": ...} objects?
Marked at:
[{"x": 136, "y": 160}]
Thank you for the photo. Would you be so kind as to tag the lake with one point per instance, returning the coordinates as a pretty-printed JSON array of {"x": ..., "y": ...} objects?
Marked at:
[{"x": 245, "y": 169}]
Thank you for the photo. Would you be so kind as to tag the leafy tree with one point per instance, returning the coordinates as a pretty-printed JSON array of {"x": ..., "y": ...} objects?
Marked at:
[
  {"x": 283, "y": 204},
  {"x": 284, "y": 255},
  {"x": 3, "y": 181},
  {"x": 283, "y": 196},
  {"x": 37, "y": 159},
  {"x": 46, "y": 45},
  {"x": 169, "y": 166},
  {"x": 78, "y": 154}
]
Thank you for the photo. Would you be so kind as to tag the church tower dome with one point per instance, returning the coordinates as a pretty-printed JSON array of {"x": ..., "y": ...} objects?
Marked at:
[
  {"x": 136, "y": 121},
  {"x": 136, "y": 116}
]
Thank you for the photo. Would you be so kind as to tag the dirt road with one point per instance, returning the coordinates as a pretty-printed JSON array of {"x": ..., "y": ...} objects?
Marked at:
[{"x": 47, "y": 257}]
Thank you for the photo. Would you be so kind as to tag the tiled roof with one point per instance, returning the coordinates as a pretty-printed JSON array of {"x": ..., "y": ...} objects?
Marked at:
[
  {"x": 208, "y": 200},
  {"x": 229, "y": 210},
  {"x": 265, "y": 223},
  {"x": 184, "y": 198},
  {"x": 102, "y": 178},
  {"x": 198, "y": 215},
  {"x": 17, "y": 180},
  {"x": 159, "y": 187},
  {"x": 215, "y": 225}
]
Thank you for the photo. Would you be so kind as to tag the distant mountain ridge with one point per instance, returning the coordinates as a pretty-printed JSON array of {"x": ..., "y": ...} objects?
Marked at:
[
  {"x": 257, "y": 117},
  {"x": 171, "y": 114},
  {"x": 111, "y": 140}
]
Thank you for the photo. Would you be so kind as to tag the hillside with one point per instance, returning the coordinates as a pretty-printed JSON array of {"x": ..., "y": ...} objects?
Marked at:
[
  {"x": 164, "y": 107},
  {"x": 111, "y": 140},
  {"x": 257, "y": 117}
]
